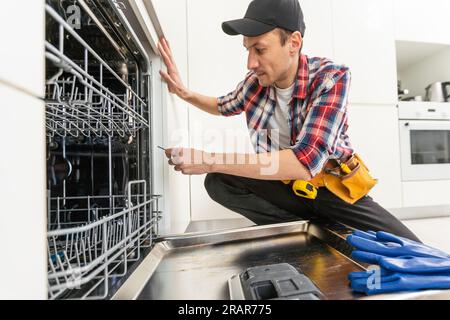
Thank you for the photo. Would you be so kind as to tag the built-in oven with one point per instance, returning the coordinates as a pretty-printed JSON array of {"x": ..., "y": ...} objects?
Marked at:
[{"x": 424, "y": 140}]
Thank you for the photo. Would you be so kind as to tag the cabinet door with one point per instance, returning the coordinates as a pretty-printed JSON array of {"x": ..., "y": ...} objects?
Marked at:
[
  {"x": 23, "y": 218},
  {"x": 22, "y": 36},
  {"x": 174, "y": 127},
  {"x": 217, "y": 63},
  {"x": 376, "y": 140},
  {"x": 427, "y": 193},
  {"x": 422, "y": 21},
  {"x": 318, "y": 39},
  {"x": 22, "y": 162},
  {"x": 364, "y": 41}
]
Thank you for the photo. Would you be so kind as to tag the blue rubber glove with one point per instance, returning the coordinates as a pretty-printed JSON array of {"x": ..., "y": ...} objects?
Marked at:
[
  {"x": 394, "y": 282},
  {"x": 405, "y": 264},
  {"x": 387, "y": 244},
  {"x": 366, "y": 274}
]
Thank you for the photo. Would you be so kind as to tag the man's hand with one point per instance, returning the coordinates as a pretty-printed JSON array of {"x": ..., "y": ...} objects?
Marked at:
[
  {"x": 172, "y": 76},
  {"x": 173, "y": 80},
  {"x": 278, "y": 165},
  {"x": 189, "y": 161}
]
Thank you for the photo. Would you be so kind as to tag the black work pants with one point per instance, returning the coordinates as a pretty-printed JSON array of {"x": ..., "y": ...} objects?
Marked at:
[{"x": 267, "y": 202}]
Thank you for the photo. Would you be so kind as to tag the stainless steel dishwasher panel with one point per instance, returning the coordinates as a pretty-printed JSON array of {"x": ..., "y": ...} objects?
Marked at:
[{"x": 198, "y": 266}]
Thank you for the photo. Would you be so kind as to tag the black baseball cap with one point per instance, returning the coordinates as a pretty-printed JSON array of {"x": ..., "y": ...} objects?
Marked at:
[{"x": 265, "y": 15}]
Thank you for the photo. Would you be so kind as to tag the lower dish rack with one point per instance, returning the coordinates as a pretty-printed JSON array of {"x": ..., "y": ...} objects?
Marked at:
[{"x": 86, "y": 258}]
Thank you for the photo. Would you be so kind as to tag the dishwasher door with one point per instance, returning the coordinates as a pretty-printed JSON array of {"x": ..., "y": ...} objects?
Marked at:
[{"x": 199, "y": 265}]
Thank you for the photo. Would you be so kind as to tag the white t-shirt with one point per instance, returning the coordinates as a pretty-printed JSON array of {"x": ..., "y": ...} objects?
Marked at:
[{"x": 280, "y": 119}]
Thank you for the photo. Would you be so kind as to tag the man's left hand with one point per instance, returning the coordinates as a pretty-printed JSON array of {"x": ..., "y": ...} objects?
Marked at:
[{"x": 189, "y": 161}]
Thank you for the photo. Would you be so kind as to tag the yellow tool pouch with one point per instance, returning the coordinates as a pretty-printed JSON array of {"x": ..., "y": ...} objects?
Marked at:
[{"x": 349, "y": 187}]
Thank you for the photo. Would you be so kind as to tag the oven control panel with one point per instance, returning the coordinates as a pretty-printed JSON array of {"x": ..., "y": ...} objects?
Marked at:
[{"x": 424, "y": 111}]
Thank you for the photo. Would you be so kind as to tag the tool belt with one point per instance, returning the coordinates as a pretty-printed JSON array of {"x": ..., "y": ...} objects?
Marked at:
[{"x": 350, "y": 180}]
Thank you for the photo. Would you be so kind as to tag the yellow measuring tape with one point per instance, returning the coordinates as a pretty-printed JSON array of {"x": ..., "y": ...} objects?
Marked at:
[{"x": 303, "y": 188}]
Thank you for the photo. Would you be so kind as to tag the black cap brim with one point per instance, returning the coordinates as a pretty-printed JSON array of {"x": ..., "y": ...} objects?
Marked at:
[{"x": 246, "y": 27}]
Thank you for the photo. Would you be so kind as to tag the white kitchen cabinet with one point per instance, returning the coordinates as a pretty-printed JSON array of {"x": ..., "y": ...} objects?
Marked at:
[
  {"x": 22, "y": 49},
  {"x": 22, "y": 163},
  {"x": 318, "y": 39},
  {"x": 364, "y": 41},
  {"x": 217, "y": 63},
  {"x": 23, "y": 242},
  {"x": 426, "y": 193},
  {"x": 175, "y": 127},
  {"x": 422, "y": 21},
  {"x": 373, "y": 131}
]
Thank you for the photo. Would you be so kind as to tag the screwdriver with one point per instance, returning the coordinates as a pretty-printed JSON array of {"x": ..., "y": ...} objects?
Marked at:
[{"x": 164, "y": 149}]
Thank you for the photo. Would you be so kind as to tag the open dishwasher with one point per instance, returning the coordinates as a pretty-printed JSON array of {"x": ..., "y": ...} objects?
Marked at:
[
  {"x": 102, "y": 213},
  {"x": 102, "y": 217}
]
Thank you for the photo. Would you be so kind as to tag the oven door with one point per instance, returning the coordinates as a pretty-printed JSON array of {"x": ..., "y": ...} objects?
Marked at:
[{"x": 425, "y": 149}]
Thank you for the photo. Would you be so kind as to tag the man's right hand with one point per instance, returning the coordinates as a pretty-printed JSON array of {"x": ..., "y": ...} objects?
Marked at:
[{"x": 171, "y": 77}]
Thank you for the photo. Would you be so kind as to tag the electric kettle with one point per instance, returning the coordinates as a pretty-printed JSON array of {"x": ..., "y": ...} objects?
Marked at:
[{"x": 437, "y": 92}]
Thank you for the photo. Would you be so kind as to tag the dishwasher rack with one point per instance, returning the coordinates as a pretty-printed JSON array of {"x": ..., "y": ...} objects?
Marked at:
[
  {"x": 70, "y": 113},
  {"x": 102, "y": 213},
  {"x": 81, "y": 104},
  {"x": 89, "y": 256}
]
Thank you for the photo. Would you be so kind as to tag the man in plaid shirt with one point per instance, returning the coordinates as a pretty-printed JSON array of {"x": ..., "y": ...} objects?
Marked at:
[{"x": 296, "y": 112}]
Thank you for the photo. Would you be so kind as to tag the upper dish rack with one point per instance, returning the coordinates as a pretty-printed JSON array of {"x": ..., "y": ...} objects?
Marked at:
[{"x": 78, "y": 103}]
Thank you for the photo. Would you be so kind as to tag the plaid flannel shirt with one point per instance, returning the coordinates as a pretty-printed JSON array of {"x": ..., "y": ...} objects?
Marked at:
[{"x": 317, "y": 119}]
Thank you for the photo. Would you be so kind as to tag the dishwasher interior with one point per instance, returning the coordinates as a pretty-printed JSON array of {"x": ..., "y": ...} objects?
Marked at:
[{"x": 102, "y": 213}]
